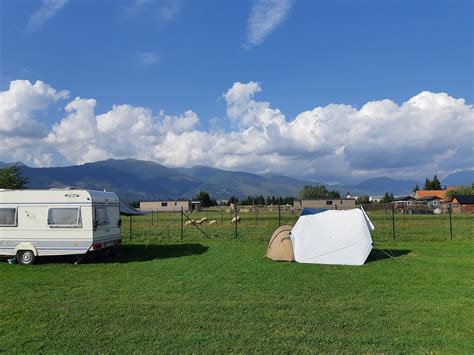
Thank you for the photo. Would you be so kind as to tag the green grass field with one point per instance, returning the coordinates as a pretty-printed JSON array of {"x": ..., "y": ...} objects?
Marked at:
[{"x": 161, "y": 293}]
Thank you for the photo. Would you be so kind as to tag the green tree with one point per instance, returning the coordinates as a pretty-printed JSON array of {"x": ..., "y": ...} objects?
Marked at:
[
  {"x": 427, "y": 184},
  {"x": 12, "y": 178},
  {"x": 309, "y": 192},
  {"x": 205, "y": 199},
  {"x": 460, "y": 190},
  {"x": 363, "y": 200},
  {"x": 321, "y": 191},
  {"x": 387, "y": 198},
  {"x": 416, "y": 188},
  {"x": 436, "y": 184}
]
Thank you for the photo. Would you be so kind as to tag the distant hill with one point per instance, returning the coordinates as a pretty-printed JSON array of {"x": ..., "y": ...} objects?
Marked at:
[
  {"x": 134, "y": 179},
  {"x": 3, "y": 164},
  {"x": 290, "y": 180},
  {"x": 384, "y": 184},
  {"x": 460, "y": 178},
  {"x": 145, "y": 180},
  {"x": 238, "y": 183}
]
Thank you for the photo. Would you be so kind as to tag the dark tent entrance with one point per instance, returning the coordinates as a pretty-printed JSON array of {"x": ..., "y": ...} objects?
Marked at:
[{"x": 127, "y": 210}]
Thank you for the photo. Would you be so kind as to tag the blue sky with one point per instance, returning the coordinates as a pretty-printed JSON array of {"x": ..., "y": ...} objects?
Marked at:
[{"x": 184, "y": 55}]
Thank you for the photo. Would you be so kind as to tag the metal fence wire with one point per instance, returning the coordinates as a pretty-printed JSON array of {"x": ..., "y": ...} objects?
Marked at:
[{"x": 391, "y": 223}]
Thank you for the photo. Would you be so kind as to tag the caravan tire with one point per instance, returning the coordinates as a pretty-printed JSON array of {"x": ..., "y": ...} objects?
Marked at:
[{"x": 25, "y": 257}]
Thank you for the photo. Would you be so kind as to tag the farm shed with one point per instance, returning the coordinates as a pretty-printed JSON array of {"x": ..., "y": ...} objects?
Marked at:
[
  {"x": 170, "y": 206},
  {"x": 327, "y": 203},
  {"x": 375, "y": 198},
  {"x": 430, "y": 201},
  {"x": 463, "y": 204},
  {"x": 421, "y": 194}
]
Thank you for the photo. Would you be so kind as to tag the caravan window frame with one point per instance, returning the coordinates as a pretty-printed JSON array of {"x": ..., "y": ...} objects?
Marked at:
[
  {"x": 78, "y": 217},
  {"x": 15, "y": 218},
  {"x": 101, "y": 223}
]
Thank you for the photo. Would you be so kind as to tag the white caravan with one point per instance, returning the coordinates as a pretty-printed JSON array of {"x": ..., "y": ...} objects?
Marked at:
[{"x": 57, "y": 222}]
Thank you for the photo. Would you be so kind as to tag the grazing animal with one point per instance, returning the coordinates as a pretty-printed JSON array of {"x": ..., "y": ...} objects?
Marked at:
[
  {"x": 188, "y": 223},
  {"x": 212, "y": 222},
  {"x": 203, "y": 219},
  {"x": 199, "y": 221},
  {"x": 235, "y": 220}
]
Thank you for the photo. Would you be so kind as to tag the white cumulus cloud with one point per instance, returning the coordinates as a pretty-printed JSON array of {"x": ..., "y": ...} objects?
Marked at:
[
  {"x": 20, "y": 103},
  {"x": 427, "y": 134}
]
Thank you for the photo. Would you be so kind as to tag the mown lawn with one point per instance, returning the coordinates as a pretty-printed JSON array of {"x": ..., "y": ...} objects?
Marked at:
[{"x": 164, "y": 294}]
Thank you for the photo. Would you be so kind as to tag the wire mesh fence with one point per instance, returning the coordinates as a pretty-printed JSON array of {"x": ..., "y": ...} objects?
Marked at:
[{"x": 259, "y": 222}]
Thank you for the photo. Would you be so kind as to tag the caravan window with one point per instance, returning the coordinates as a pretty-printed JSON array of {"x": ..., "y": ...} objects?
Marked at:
[
  {"x": 64, "y": 217},
  {"x": 8, "y": 217},
  {"x": 101, "y": 215}
]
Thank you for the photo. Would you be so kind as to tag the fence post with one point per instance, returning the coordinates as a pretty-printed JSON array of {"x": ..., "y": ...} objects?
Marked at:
[
  {"x": 182, "y": 213},
  {"x": 255, "y": 216},
  {"x": 393, "y": 222},
  {"x": 222, "y": 218},
  {"x": 450, "y": 223},
  {"x": 279, "y": 215},
  {"x": 235, "y": 221},
  {"x": 152, "y": 218}
]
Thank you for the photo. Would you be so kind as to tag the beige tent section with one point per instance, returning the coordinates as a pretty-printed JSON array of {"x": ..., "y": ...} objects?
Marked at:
[{"x": 280, "y": 247}]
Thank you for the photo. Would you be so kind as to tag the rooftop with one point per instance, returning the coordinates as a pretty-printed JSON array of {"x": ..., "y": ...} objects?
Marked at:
[
  {"x": 464, "y": 199},
  {"x": 430, "y": 193}
]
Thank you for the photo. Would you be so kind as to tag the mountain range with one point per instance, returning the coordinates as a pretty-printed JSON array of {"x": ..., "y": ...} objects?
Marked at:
[{"x": 135, "y": 179}]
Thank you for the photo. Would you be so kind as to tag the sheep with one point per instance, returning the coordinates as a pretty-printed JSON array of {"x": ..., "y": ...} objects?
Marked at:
[
  {"x": 212, "y": 222},
  {"x": 199, "y": 221},
  {"x": 235, "y": 220},
  {"x": 203, "y": 219},
  {"x": 188, "y": 223}
]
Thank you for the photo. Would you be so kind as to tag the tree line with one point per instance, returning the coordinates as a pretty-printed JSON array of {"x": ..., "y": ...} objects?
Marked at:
[
  {"x": 433, "y": 184},
  {"x": 307, "y": 192}
]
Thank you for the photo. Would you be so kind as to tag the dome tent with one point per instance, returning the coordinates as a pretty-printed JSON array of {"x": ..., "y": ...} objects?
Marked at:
[
  {"x": 280, "y": 247},
  {"x": 338, "y": 237}
]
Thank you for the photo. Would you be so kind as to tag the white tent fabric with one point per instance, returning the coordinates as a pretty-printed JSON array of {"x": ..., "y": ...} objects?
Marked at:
[{"x": 338, "y": 237}]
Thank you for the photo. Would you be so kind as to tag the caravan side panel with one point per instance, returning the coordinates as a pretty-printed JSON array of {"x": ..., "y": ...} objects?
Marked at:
[{"x": 34, "y": 226}]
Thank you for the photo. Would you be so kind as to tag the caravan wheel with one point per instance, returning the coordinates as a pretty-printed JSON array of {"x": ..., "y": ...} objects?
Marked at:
[{"x": 25, "y": 257}]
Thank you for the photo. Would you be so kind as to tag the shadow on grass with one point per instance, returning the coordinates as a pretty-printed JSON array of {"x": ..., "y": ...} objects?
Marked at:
[
  {"x": 131, "y": 253},
  {"x": 382, "y": 254}
]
